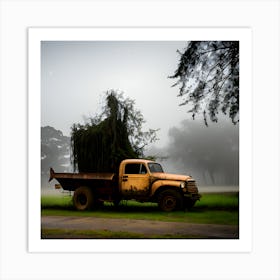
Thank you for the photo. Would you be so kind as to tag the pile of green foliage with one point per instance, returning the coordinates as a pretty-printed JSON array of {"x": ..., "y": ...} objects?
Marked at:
[{"x": 116, "y": 134}]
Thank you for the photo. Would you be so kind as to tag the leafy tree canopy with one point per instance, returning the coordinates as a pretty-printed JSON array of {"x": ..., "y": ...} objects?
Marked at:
[
  {"x": 105, "y": 140},
  {"x": 208, "y": 76}
]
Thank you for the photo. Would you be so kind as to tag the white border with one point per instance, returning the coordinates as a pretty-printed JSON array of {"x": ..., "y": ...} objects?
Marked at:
[{"x": 36, "y": 35}]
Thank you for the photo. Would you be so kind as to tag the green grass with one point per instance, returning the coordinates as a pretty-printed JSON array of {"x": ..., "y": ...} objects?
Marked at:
[
  {"x": 213, "y": 208},
  {"x": 57, "y": 202},
  {"x": 208, "y": 200},
  {"x": 227, "y": 201},
  {"x": 106, "y": 234}
]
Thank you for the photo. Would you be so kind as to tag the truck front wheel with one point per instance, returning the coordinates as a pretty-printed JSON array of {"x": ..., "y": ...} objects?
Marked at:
[
  {"x": 170, "y": 200},
  {"x": 83, "y": 198}
]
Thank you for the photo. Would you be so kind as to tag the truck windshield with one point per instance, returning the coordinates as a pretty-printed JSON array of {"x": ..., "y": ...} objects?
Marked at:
[{"x": 155, "y": 167}]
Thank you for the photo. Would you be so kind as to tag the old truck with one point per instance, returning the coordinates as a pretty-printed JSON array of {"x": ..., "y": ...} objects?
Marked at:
[{"x": 138, "y": 179}]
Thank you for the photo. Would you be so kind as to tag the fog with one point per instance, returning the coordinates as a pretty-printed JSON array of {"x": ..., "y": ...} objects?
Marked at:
[
  {"x": 209, "y": 154},
  {"x": 75, "y": 75}
]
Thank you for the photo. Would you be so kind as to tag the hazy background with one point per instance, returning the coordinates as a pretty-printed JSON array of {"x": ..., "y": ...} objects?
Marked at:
[{"x": 75, "y": 76}]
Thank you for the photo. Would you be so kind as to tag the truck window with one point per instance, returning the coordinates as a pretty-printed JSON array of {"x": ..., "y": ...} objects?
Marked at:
[
  {"x": 155, "y": 167},
  {"x": 135, "y": 168}
]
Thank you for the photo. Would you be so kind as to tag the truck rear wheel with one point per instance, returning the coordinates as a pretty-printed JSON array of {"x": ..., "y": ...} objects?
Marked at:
[
  {"x": 170, "y": 200},
  {"x": 83, "y": 198}
]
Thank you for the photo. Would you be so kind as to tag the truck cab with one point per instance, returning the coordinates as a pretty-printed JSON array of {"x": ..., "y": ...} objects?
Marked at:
[{"x": 145, "y": 180}]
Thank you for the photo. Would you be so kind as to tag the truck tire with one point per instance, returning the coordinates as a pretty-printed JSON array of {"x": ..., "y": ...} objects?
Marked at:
[
  {"x": 170, "y": 200},
  {"x": 83, "y": 198}
]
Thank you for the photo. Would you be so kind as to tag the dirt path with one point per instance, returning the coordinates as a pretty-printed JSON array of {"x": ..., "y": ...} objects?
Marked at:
[{"x": 146, "y": 227}]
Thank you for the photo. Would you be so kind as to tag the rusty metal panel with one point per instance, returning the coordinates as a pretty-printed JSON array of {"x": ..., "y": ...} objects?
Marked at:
[{"x": 84, "y": 176}]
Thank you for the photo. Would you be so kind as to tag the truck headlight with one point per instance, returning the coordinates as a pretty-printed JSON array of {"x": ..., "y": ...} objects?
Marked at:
[{"x": 183, "y": 185}]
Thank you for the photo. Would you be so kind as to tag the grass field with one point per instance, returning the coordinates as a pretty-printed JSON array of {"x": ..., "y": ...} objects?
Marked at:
[
  {"x": 106, "y": 234},
  {"x": 213, "y": 208}
]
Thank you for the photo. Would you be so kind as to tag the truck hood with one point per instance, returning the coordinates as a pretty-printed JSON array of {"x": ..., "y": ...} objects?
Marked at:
[{"x": 168, "y": 176}]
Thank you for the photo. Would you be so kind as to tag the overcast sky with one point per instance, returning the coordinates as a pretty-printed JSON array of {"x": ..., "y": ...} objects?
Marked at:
[{"x": 75, "y": 76}]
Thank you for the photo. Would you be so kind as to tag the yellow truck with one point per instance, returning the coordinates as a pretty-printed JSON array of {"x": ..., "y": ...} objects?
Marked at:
[{"x": 138, "y": 179}]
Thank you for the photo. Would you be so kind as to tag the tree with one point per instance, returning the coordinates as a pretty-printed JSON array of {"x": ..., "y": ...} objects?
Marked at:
[
  {"x": 208, "y": 74},
  {"x": 55, "y": 152},
  {"x": 105, "y": 140}
]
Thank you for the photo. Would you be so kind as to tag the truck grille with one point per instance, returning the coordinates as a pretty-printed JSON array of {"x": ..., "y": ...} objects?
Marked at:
[{"x": 191, "y": 186}]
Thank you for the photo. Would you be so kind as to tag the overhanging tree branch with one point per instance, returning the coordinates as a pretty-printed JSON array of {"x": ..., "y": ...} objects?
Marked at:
[{"x": 210, "y": 82}]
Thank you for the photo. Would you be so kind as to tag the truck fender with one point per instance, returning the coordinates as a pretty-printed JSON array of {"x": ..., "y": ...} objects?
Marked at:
[{"x": 164, "y": 183}]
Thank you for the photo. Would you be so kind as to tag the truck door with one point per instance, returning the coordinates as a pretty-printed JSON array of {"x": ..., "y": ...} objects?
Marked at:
[{"x": 135, "y": 181}]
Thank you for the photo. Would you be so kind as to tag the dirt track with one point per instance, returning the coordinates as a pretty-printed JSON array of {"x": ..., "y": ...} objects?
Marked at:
[{"x": 146, "y": 227}]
